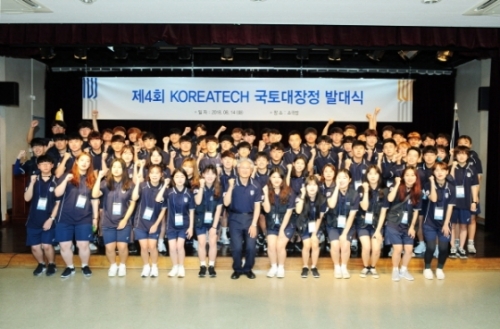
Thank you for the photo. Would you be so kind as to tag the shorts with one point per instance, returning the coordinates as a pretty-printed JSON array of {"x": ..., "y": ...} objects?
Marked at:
[
  {"x": 37, "y": 236},
  {"x": 66, "y": 232},
  {"x": 368, "y": 230},
  {"x": 395, "y": 235},
  {"x": 460, "y": 216},
  {"x": 431, "y": 233},
  {"x": 143, "y": 235},
  {"x": 478, "y": 210},
  {"x": 334, "y": 233},
  {"x": 306, "y": 235},
  {"x": 176, "y": 233},
  {"x": 204, "y": 230},
  {"x": 111, "y": 234},
  {"x": 289, "y": 231}
]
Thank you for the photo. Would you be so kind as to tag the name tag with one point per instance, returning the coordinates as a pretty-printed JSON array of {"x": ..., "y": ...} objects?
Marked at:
[
  {"x": 208, "y": 218},
  {"x": 81, "y": 201},
  {"x": 357, "y": 184},
  {"x": 341, "y": 221},
  {"x": 311, "y": 226},
  {"x": 369, "y": 218},
  {"x": 148, "y": 213},
  {"x": 117, "y": 209},
  {"x": 276, "y": 219},
  {"x": 42, "y": 204},
  {"x": 404, "y": 220},
  {"x": 179, "y": 220},
  {"x": 460, "y": 191},
  {"x": 438, "y": 213},
  {"x": 388, "y": 183}
]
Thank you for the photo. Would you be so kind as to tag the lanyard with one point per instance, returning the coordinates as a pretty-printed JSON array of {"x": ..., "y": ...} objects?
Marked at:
[
  {"x": 40, "y": 180},
  {"x": 175, "y": 198},
  {"x": 207, "y": 194}
]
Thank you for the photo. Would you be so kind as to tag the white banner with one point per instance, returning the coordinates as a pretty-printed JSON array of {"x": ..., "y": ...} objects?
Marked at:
[{"x": 247, "y": 99}]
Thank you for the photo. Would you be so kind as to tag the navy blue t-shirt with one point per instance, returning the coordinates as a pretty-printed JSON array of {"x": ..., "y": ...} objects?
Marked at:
[
  {"x": 437, "y": 211},
  {"x": 147, "y": 209},
  {"x": 115, "y": 204},
  {"x": 465, "y": 178},
  {"x": 178, "y": 203},
  {"x": 76, "y": 206},
  {"x": 42, "y": 201}
]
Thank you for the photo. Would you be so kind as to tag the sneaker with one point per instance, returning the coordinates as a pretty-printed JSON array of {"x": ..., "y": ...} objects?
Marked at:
[
  {"x": 440, "y": 274},
  {"x": 395, "y": 275},
  {"x": 224, "y": 240},
  {"x": 457, "y": 243},
  {"x": 92, "y": 247},
  {"x": 345, "y": 273},
  {"x": 272, "y": 272},
  {"x": 420, "y": 249},
  {"x": 364, "y": 272},
  {"x": 211, "y": 272},
  {"x": 39, "y": 269},
  {"x": 471, "y": 249},
  {"x": 461, "y": 253},
  {"x": 57, "y": 248},
  {"x": 374, "y": 273},
  {"x": 354, "y": 245},
  {"x": 390, "y": 252},
  {"x": 113, "y": 270},
  {"x": 154, "y": 271},
  {"x": 436, "y": 252},
  {"x": 406, "y": 275},
  {"x": 337, "y": 273},
  {"x": 315, "y": 272},
  {"x": 453, "y": 253},
  {"x": 122, "y": 270},
  {"x": 305, "y": 272},
  {"x": 203, "y": 271},
  {"x": 68, "y": 271},
  {"x": 428, "y": 274},
  {"x": 161, "y": 246},
  {"x": 51, "y": 269},
  {"x": 182, "y": 272},
  {"x": 195, "y": 245},
  {"x": 174, "y": 271},
  {"x": 146, "y": 271},
  {"x": 86, "y": 271},
  {"x": 281, "y": 272}
]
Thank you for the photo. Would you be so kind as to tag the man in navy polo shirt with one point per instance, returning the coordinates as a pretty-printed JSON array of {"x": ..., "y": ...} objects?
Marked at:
[{"x": 243, "y": 197}]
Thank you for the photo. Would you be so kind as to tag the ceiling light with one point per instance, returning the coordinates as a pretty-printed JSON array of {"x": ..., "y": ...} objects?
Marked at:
[
  {"x": 88, "y": 2},
  {"x": 408, "y": 54},
  {"x": 81, "y": 54},
  {"x": 334, "y": 55},
  {"x": 264, "y": 54},
  {"x": 47, "y": 53},
  {"x": 303, "y": 54},
  {"x": 152, "y": 53},
  {"x": 430, "y": 1},
  {"x": 184, "y": 53},
  {"x": 444, "y": 55},
  {"x": 376, "y": 55},
  {"x": 227, "y": 54}
]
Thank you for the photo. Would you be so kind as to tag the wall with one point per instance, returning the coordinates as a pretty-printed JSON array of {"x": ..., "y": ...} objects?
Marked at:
[
  {"x": 15, "y": 121},
  {"x": 470, "y": 77}
]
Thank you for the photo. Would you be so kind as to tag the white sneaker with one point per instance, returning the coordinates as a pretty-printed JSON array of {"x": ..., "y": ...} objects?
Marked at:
[
  {"x": 337, "y": 273},
  {"x": 345, "y": 273},
  {"x": 406, "y": 275},
  {"x": 145, "y": 271},
  {"x": 57, "y": 247},
  {"x": 395, "y": 275},
  {"x": 154, "y": 271},
  {"x": 272, "y": 272},
  {"x": 436, "y": 252},
  {"x": 390, "y": 252},
  {"x": 195, "y": 244},
  {"x": 92, "y": 247},
  {"x": 470, "y": 248},
  {"x": 428, "y": 274},
  {"x": 224, "y": 240},
  {"x": 281, "y": 272},
  {"x": 113, "y": 269},
  {"x": 173, "y": 272},
  {"x": 364, "y": 272},
  {"x": 161, "y": 246},
  {"x": 182, "y": 272},
  {"x": 122, "y": 270},
  {"x": 420, "y": 248},
  {"x": 440, "y": 274},
  {"x": 374, "y": 273}
]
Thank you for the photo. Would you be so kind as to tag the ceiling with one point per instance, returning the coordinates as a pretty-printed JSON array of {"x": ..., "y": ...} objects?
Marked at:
[{"x": 446, "y": 13}]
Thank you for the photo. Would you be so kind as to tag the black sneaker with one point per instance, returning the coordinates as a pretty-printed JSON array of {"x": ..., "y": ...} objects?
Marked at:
[
  {"x": 305, "y": 272},
  {"x": 68, "y": 271},
  {"x": 315, "y": 272},
  {"x": 461, "y": 253},
  {"x": 51, "y": 269},
  {"x": 39, "y": 269},
  {"x": 203, "y": 271},
  {"x": 86, "y": 271},
  {"x": 211, "y": 272},
  {"x": 453, "y": 253}
]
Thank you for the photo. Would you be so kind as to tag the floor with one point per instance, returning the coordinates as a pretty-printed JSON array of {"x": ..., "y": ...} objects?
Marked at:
[{"x": 465, "y": 299}]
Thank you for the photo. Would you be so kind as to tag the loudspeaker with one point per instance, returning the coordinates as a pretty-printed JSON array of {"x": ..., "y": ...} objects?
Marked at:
[
  {"x": 9, "y": 93},
  {"x": 483, "y": 99}
]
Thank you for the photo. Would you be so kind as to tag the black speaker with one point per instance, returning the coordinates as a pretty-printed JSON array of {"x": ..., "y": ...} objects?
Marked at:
[
  {"x": 483, "y": 99},
  {"x": 9, "y": 93}
]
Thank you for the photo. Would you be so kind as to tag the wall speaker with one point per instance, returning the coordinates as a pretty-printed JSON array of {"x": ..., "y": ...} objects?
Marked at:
[
  {"x": 483, "y": 99},
  {"x": 9, "y": 93}
]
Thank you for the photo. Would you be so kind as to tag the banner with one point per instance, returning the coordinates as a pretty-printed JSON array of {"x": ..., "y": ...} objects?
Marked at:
[{"x": 247, "y": 99}]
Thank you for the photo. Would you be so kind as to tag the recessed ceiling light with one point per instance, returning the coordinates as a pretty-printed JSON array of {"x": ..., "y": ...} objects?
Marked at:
[
  {"x": 89, "y": 2},
  {"x": 430, "y": 1}
]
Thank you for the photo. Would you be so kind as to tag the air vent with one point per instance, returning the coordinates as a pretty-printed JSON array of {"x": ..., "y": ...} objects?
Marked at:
[
  {"x": 486, "y": 8},
  {"x": 22, "y": 7}
]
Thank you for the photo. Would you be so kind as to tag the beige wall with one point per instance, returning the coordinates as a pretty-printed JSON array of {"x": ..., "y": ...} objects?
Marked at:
[{"x": 15, "y": 121}]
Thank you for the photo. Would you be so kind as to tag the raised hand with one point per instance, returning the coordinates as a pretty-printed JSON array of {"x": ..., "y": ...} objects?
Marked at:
[{"x": 34, "y": 123}]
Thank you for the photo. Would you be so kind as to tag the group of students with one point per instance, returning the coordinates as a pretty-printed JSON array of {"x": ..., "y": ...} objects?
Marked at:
[{"x": 339, "y": 186}]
